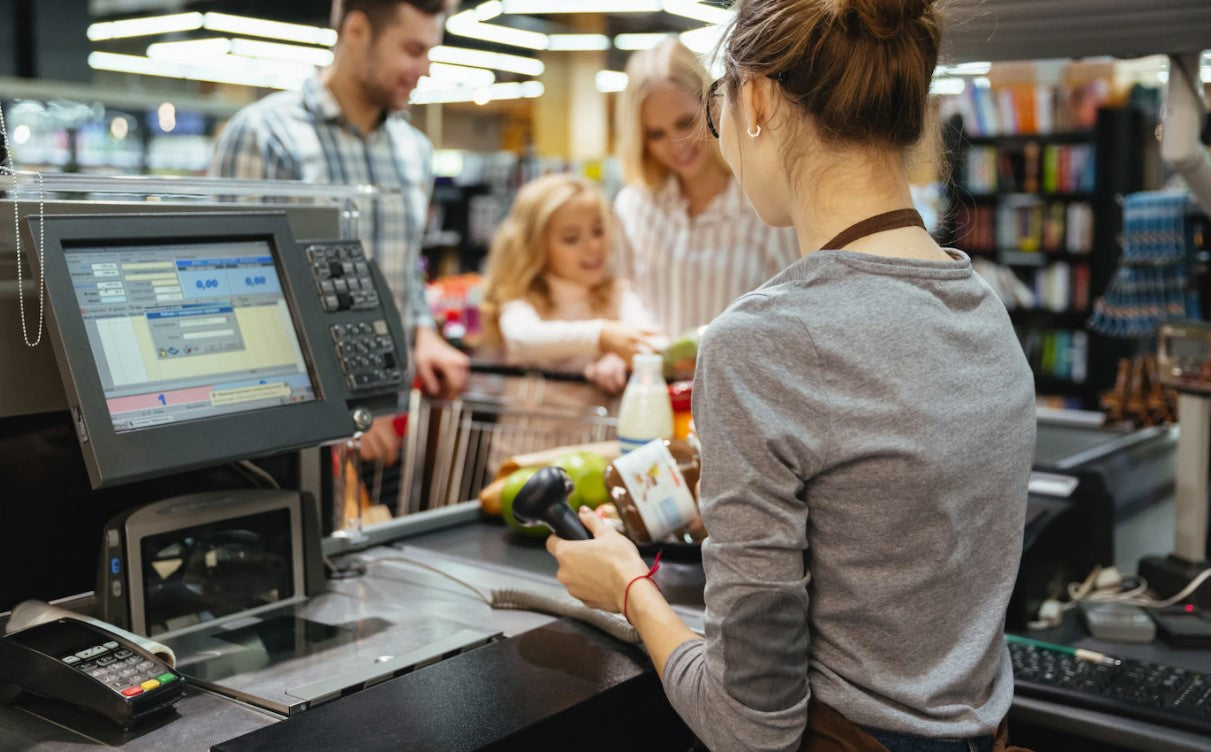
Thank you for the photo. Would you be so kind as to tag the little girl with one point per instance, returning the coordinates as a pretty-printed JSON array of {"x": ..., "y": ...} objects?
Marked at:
[{"x": 551, "y": 298}]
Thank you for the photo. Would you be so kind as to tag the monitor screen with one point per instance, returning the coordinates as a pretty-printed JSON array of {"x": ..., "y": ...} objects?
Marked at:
[
  {"x": 187, "y": 341},
  {"x": 187, "y": 331}
]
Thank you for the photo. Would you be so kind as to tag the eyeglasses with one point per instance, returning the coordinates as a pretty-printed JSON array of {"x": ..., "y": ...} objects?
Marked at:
[{"x": 712, "y": 108}]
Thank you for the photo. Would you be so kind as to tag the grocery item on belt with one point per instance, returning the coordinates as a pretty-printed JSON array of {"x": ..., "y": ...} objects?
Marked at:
[{"x": 655, "y": 489}]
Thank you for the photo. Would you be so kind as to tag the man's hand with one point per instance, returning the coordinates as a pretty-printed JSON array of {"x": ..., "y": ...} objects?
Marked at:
[
  {"x": 381, "y": 442},
  {"x": 442, "y": 368}
]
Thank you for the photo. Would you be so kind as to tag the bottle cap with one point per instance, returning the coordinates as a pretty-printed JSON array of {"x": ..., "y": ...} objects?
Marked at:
[
  {"x": 647, "y": 361},
  {"x": 681, "y": 395}
]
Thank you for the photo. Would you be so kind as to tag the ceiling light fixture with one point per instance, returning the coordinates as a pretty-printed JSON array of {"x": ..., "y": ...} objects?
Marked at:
[
  {"x": 260, "y": 27},
  {"x": 140, "y": 27},
  {"x": 570, "y": 42},
  {"x": 526, "y": 89},
  {"x": 640, "y": 41},
  {"x": 711, "y": 14},
  {"x": 444, "y": 75},
  {"x": 469, "y": 23},
  {"x": 527, "y": 66},
  {"x": 224, "y": 70},
  {"x": 293, "y": 53},
  {"x": 524, "y": 7},
  {"x": 610, "y": 81},
  {"x": 947, "y": 85},
  {"x": 189, "y": 50},
  {"x": 703, "y": 40}
]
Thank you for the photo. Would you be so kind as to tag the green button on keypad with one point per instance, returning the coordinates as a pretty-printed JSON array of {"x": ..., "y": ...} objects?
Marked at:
[{"x": 165, "y": 678}]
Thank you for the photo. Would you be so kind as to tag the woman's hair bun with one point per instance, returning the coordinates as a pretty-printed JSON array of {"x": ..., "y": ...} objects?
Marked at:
[{"x": 881, "y": 19}]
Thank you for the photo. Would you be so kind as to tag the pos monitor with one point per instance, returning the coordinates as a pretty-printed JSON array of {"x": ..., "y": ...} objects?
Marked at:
[{"x": 190, "y": 340}]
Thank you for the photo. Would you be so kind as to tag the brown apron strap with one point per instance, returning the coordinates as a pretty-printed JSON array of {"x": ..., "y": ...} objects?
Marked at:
[
  {"x": 829, "y": 731},
  {"x": 891, "y": 220}
]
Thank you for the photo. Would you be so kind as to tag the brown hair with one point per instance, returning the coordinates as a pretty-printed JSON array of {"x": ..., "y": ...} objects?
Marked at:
[
  {"x": 860, "y": 68},
  {"x": 379, "y": 12},
  {"x": 669, "y": 62},
  {"x": 518, "y": 256}
]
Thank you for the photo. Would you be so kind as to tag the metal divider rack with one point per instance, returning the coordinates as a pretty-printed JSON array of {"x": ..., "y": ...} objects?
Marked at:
[{"x": 453, "y": 448}]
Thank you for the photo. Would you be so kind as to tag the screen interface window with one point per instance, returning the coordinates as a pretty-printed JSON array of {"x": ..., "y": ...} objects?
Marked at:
[
  {"x": 213, "y": 570},
  {"x": 182, "y": 332}
]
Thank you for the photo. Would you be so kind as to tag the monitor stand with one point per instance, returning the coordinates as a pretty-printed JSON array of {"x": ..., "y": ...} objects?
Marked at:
[{"x": 1168, "y": 575}]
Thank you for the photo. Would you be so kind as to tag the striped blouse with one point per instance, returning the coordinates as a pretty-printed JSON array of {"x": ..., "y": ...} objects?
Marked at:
[{"x": 687, "y": 270}]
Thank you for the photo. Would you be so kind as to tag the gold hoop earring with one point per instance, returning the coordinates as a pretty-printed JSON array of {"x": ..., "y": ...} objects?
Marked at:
[{"x": 754, "y": 133}]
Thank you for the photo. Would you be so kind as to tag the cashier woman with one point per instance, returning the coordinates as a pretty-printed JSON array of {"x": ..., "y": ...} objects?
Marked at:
[{"x": 866, "y": 420}]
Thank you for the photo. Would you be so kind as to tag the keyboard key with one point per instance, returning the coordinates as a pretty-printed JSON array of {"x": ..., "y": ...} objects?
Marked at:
[{"x": 1160, "y": 694}]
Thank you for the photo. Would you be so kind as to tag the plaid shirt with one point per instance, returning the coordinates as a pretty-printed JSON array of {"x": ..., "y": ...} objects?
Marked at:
[{"x": 302, "y": 135}]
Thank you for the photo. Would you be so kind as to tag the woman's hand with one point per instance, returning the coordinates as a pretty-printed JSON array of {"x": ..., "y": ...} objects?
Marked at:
[
  {"x": 624, "y": 340},
  {"x": 597, "y": 571},
  {"x": 608, "y": 373}
]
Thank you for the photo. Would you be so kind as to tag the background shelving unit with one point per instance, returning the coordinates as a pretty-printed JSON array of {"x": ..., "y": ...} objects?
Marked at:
[{"x": 1046, "y": 206}]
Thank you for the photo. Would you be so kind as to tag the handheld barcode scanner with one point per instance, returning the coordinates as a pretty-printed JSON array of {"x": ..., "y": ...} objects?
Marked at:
[{"x": 544, "y": 498}]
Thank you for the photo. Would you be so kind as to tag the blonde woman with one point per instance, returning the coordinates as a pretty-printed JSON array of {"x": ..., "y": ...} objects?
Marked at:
[
  {"x": 691, "y": 241},
  {"x": 551, "y": 298}
]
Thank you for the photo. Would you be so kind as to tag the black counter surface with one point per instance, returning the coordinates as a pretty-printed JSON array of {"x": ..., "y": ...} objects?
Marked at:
[{"x": 561, "y": 686}]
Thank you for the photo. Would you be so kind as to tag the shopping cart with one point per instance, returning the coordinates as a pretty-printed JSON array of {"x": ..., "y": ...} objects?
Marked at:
[{"x": 453, "y": 448}]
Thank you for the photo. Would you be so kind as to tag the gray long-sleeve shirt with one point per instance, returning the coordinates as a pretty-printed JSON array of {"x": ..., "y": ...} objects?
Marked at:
[{"x": 867, "y": 428}]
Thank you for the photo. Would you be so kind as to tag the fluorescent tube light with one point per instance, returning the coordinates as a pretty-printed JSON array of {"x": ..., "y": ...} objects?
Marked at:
[
  {"x": 712, "y": 14},
  {"x": 293, "y": 53},
  {"x": 469, "y": 23},
  {"x": 947, "y": 85},
  {"x": 446, "y": 76},
  {"x": 609, "y": 80},
  {"x": 225, "y": 70},
  {"x": 703, "y": 40},
  {"x": 140, "y": 27},
  {"x": 260, "y": 27},
  {"x": 477, "y": 94},
  {"x": 189, "y": 50},
  {"x": 969, "y": 69},
  {"x": 639, "y": 41},
  {"x": 580, "y": 6},
  {"x": 566, "y": 42},
  {"x": 527, "y": 66}
]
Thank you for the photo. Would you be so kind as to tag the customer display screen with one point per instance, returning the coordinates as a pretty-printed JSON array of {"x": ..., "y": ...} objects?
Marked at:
[{"x": 187, "y": 331}]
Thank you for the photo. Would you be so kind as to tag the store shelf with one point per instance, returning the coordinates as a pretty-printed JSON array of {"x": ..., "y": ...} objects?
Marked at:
[
  {"x": 1039, "y": 258},
  {"x": 1085, "y": 196},
  {"x": 1009, "y": 139},
  {"x": 1028, "y": 259},
  {"x": 1044, "y": 384},
  {"x": 1047, "y": 317}
]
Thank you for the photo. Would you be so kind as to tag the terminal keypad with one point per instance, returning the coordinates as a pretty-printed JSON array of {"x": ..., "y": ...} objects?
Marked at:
[
  {"x": 124, "y": 671},
  {"x": 342, "y": 276},
  {"x": 366, "y": 354}
]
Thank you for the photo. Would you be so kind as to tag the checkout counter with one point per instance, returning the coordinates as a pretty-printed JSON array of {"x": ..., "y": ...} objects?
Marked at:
[{"x": 409, "y": 654}]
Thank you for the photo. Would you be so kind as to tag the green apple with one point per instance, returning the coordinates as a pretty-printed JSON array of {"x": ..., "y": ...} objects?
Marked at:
[
  {"x": 681, "y": 355},
  {"x": 588, "y": 478},
  {"x": 513, "y": 484}
]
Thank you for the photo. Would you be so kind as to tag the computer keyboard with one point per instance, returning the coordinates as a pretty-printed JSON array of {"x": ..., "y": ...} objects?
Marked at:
[{"x": 1165, "y": 695}]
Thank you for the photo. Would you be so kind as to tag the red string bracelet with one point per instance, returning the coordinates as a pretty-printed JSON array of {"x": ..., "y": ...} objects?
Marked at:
[{"x": 626, "y": 593}]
